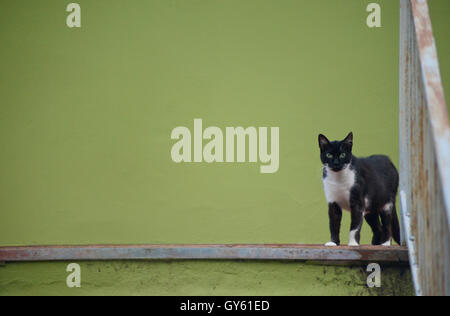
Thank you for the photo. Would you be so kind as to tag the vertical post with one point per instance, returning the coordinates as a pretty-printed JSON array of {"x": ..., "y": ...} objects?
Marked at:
[
  {"x": 405, "y": 29},
  {"x": 424, "y": 153},
  {"x": 407, "y": 75}
]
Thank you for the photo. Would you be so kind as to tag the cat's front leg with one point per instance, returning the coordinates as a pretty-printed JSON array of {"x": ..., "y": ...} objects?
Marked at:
[
  {"x": 335, "y": 215},
  {"x": 356, "y": 207}
]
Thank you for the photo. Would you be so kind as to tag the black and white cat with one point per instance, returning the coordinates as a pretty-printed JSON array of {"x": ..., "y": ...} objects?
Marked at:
[{"x": 367, "y": 187}]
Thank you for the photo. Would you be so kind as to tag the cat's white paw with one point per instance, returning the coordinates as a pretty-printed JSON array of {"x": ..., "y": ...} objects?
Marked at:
[
  {"x": 353, "y": 244},
  {"x": 387, "y": 243},
  {"x": 330, "y": 244}
]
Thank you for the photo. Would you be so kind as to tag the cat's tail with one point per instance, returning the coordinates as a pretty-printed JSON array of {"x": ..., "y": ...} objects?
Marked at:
[{"x": 396, "y": 227}]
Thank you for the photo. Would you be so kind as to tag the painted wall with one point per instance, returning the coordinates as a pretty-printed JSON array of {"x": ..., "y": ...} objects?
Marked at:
[
  {"x": 200, "y": 278},
  {"x": 440, "y": 14},
  {"x": 86, "y": 116}
]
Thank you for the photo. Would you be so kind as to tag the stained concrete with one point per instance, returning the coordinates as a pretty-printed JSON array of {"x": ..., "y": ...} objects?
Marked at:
[{"x": 200, "y": 278}]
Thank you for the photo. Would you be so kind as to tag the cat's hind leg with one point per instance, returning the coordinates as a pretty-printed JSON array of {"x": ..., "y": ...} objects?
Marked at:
[
  {"x": 386, "y": 214},
  {"x": 396, "y": 226},
  {"x": 373, "y": 220}
]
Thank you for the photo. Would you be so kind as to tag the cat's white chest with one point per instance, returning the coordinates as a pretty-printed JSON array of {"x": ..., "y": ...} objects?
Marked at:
[{"x": 337, "y": 187}]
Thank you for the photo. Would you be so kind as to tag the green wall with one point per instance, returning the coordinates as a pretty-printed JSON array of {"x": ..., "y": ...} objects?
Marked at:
[
  {"x": 86, "y": 116},
  {"x": 440, "y": 15},
  {"x": 200, "y": 278}
]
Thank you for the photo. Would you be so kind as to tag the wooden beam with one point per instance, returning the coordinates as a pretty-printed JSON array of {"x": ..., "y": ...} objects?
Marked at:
[
  {"x": 424, "y": 153},
  {"x": 203, "y": 252}
]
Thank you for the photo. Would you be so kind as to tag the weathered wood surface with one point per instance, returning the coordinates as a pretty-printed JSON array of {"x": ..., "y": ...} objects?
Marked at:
[
  {"x": 251, "y": 252},
  {"x": 424, "y": 153}
]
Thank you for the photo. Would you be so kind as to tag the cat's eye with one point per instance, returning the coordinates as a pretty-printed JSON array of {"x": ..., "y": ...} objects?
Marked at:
[
  {"x": 342, "y": 156},
  {"x": 329, "y": 156}
]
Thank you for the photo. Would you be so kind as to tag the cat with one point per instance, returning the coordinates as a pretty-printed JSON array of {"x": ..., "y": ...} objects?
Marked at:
[{"x": 367, "y": 187}]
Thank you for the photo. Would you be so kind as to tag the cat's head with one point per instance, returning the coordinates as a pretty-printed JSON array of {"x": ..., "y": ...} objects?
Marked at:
[{"x": 336, "y": 155}]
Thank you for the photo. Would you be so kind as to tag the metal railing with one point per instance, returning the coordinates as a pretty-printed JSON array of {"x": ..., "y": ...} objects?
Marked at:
[{"x": 424, "y": 153}]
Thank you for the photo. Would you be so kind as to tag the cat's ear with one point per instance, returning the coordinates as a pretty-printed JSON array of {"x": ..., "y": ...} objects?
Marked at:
[
  {"x": 323, "y": 142},
  {"x": 349, "y": 140}
]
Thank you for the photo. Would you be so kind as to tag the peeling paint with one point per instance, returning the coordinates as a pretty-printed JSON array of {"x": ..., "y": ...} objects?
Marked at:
[{"x": 424, "y": 152}]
